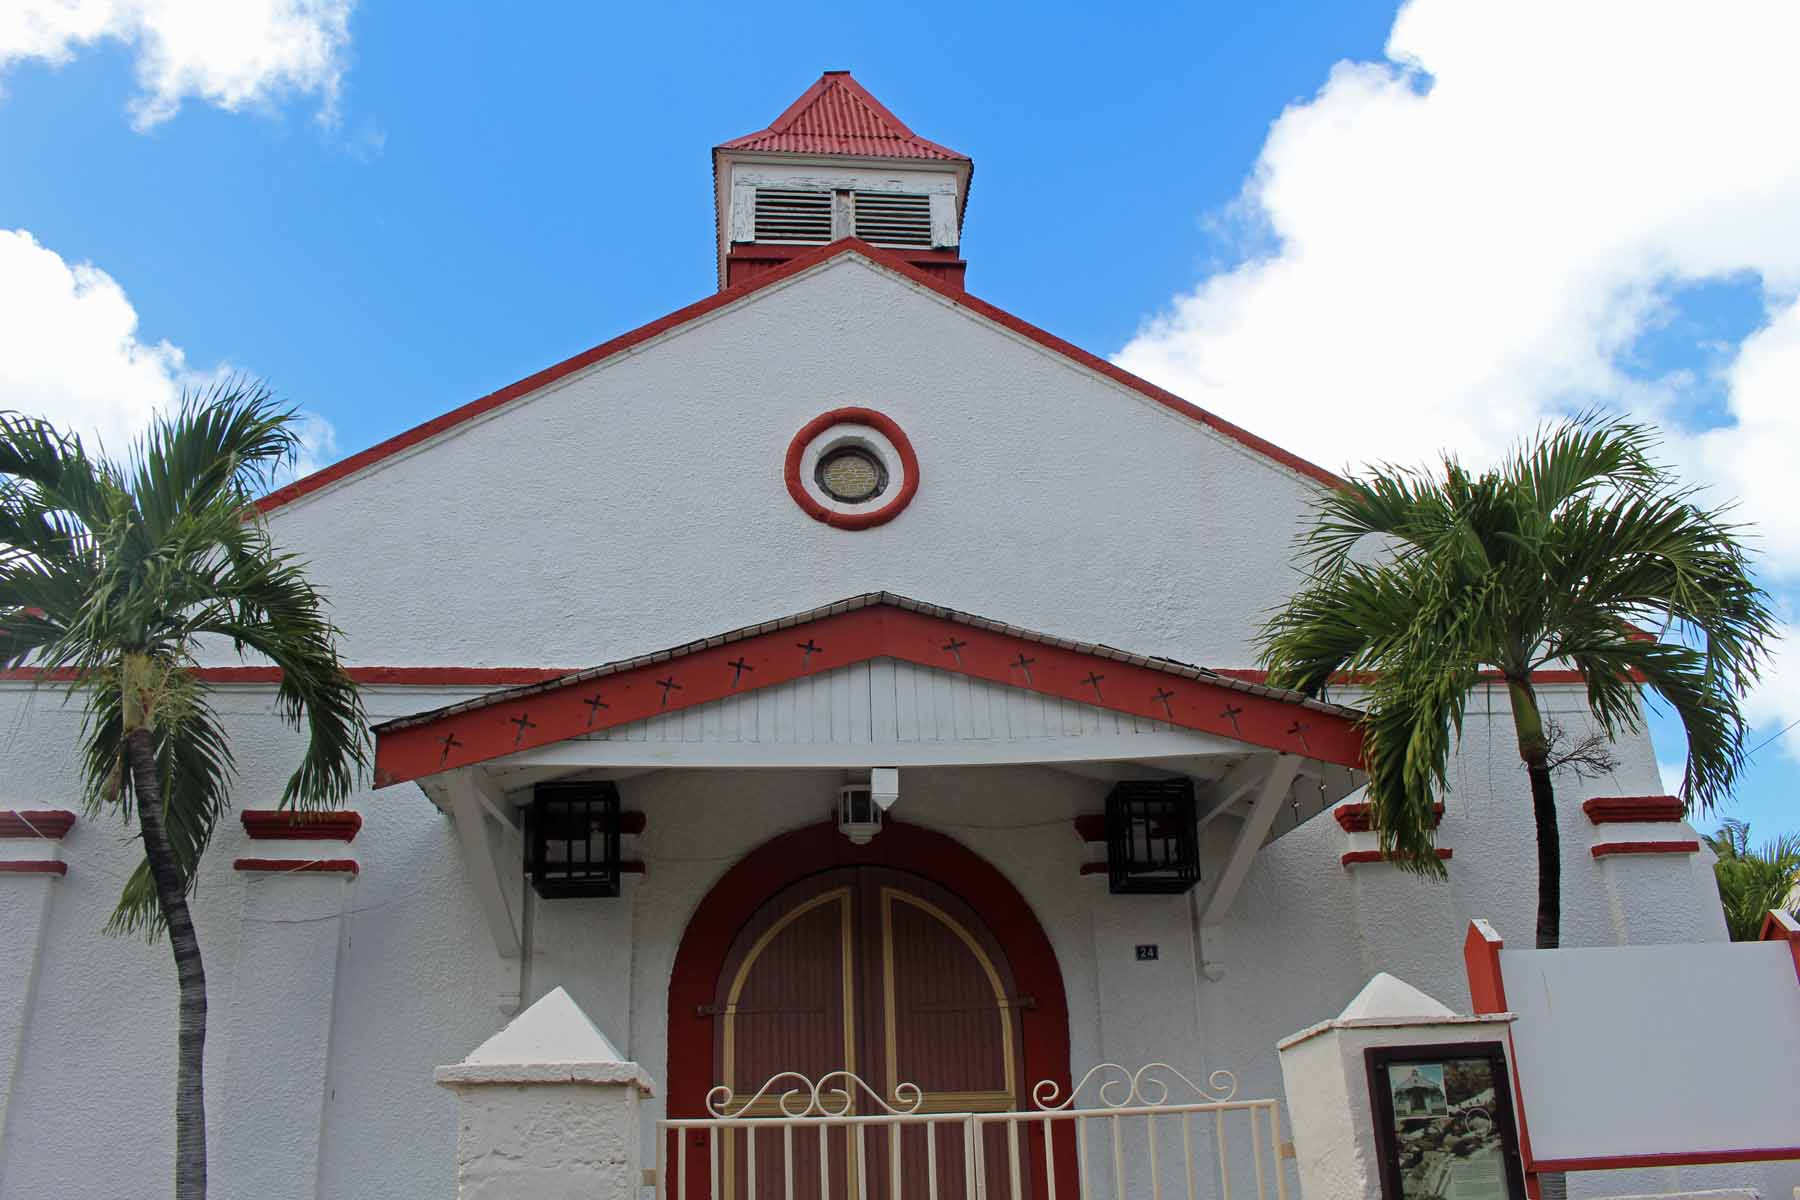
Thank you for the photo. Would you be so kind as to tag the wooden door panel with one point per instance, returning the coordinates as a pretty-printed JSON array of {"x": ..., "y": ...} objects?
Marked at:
[{"x": 886, "y": 975}]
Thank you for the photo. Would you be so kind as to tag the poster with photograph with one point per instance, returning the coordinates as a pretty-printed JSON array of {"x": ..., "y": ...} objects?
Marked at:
[{"x": 1445, "y": 1124}]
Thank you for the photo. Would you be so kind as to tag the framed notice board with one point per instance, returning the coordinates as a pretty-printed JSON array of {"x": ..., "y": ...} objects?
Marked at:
[{"x": 1444, "y": 1127}]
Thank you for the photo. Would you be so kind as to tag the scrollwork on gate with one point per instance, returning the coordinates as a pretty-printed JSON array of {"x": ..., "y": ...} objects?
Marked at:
[
  {"x": 806, "y": 1098},
  {"x": 1146, "y": 1087}
]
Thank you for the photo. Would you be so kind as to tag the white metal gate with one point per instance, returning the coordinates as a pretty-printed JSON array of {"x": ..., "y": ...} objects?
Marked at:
[{"x": 1150, "y": 1142}]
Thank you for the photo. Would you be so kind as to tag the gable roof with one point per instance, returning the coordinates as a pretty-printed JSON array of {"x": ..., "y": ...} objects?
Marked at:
[
  {"x": 873, "y": 625},
  {"x": 363, "y": 459},
  {"x": 837, "y": 115}
]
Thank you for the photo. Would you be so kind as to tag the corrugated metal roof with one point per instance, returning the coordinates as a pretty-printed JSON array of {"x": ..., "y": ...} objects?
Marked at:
[{"x": 837, "y": 115}]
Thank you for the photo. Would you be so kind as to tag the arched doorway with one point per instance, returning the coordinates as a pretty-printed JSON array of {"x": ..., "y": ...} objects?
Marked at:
[{"x": 909, "y": 959}]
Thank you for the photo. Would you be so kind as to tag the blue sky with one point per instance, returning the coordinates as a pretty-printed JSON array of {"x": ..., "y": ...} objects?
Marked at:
[{"x": 1357, "y": 236}]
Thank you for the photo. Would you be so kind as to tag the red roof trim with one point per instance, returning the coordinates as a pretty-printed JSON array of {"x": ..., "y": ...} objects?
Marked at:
[
  {"x": 703, "y": 672},
  {"x": 1605, "y": 810},
  {"x": 419, "y": 433},
  {"x": 446, "y": 677}
]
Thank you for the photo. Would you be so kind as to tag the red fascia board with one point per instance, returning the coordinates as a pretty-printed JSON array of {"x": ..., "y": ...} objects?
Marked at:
[
  {"x": 1354, "y": 818},
  {"x": 682, "y": 316},
  {"x": 464, "y": 738},
  {"x": 285, "y": 866},
  {"x": 273, "y": 824},
  {"x": 1609, "y": 849},
  {"x": 1612, "y": 810},
  {"x": 36, "y": 866},
  {"x": 52, "y": 824},
  {"x": 1352, "y": 858}
]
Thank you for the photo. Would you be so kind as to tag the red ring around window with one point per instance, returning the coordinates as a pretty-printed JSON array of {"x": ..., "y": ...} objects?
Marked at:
[{"x": 868, "y": 519}]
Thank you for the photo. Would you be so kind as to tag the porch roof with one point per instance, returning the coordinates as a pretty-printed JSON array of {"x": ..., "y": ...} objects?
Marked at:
[{"x": 870, "y": 626}]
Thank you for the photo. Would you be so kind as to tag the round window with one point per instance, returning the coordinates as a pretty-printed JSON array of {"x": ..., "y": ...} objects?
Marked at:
[{"x": 851, "y": 474}]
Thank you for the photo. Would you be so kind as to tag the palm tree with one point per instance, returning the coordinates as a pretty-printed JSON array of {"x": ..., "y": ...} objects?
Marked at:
[
  {"x": 1425, "y": 584},
  {"x": 115, "y": 574},
  {"x": 1752, "y": 881}
]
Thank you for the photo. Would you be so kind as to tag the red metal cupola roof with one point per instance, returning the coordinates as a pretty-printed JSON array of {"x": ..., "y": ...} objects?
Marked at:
[{"x": 837, "y": 115}]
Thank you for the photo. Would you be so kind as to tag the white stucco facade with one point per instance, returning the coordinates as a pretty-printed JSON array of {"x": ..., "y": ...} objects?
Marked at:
[{"x": 638, "y": 504}]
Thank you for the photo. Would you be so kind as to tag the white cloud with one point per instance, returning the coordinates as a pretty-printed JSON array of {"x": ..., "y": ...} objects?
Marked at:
[
  {"x": 69, "y": 346},
  {"x": 1442, "y": 249},
  {"x": 70, "y": 351},
  {"x": 232, "y": 53}
]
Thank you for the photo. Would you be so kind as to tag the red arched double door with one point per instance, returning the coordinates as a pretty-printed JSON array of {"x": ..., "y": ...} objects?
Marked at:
[{"x": 913, "y": 962}]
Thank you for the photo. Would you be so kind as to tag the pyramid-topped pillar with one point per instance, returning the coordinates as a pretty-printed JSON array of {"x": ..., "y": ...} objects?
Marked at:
[{"x": 547, "y": 1109}]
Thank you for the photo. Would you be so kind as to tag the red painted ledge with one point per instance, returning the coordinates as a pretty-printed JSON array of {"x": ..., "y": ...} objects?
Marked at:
[
  {"x": 1608, "y": 810},
  {"x": 1095, "y": 868},
  {"x": 267, "y": 824},
  {"x": 1352, "y": 857},
  {"x": 39, "y": 866},
  {"x": 1692, "y": 1158},
  {"x": 331, "y": 866},
  {"x": 1355, "y": 817},
  {"x": 1608, "y": 849},
  {"x": 50, "y": 823}
]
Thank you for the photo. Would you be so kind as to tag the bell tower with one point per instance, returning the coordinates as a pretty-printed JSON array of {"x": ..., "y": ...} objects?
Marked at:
[{"x": 838, "y": 164}]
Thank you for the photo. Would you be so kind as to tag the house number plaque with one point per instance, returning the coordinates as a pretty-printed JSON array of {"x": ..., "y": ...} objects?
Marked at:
[{"x": 1148, "y": 952}]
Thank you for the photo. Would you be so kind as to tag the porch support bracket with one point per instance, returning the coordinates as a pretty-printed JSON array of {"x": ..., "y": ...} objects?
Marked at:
[
  {"x": 474, "y": 800},
  {"x": 1278, "y": 776}
]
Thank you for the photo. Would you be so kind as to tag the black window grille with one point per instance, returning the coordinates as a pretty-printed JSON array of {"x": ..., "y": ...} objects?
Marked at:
[
  {"x": 575, "y": 839},
  {"x": 1151, "y": 841}
]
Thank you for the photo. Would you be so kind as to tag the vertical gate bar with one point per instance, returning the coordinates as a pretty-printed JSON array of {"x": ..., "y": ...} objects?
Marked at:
[
  {"x": 931, "y": 1159},
  {"x": 1224, "y": 1162},
  {"x": 975, "y": 1156},
  {"x": 1155, "y": 1173},
  {"x": 1256, "y": 1152},
  {"x": 1118, "y": 1139},
  {"x": 1081, "y": 1157},
  {"x": 681, "y": 1141},
  {"x": 1187, "y": 1152},
  {"x": 1049, "y": 1156},
  {"x": 713, "y": 1157},
  {"x": 1012, "y": 1158},
  {"x": 1275, "y": 1141},
  {"x": 787, "y": 1162},
  {"x": 894, "y": 1162},
  {"x": 749, "y": 1161},
  {"x": 862, "y": 1165},
  {"x": 662, "y": 1162},
  {"x": 825, "y": 1161}
]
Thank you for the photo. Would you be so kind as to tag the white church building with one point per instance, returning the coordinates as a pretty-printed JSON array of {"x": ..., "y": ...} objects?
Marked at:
[{"x": 839, "y": 672}]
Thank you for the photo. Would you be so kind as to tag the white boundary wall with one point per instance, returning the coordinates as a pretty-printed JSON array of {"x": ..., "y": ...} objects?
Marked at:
[{"x": 1630, "y": 1051}]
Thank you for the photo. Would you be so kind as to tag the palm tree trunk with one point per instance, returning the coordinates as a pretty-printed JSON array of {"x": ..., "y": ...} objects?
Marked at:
[
  {"x": 171, "y": 895},
  {"x": 1534, "y": 749}
]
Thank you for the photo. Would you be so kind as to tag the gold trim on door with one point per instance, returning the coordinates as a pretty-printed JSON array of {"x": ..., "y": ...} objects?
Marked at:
[
  {"x": 770, "y": 1105},
  {"x": 979, "y": 1101}
]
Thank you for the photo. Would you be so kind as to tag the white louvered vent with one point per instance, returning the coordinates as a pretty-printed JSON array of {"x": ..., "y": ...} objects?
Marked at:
[
  {"x": 796, "y": 217},
  {"x": 893, "y": 218}
]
